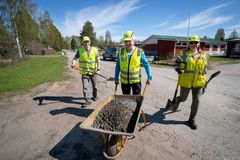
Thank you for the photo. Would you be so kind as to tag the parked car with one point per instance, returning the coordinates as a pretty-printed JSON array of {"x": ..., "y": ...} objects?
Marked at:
[{"x": 111, "y": 53}]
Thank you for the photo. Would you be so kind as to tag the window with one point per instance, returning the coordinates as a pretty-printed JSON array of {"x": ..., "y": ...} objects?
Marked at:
[
  {"x": 182, "y": 44},
  {"x": 237, "y": 48}
]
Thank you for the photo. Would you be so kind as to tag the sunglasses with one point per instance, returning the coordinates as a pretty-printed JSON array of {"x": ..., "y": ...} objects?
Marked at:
[{"x": 193, "y": 42}]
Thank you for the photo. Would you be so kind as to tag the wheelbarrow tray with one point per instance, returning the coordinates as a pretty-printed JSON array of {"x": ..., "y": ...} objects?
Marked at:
[{"x": 87, "y": 123}]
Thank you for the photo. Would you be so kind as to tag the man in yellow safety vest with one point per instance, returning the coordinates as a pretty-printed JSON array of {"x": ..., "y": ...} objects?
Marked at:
[
  {"x": 128, "y": 63},
  {"x": 89, "y": 64}
]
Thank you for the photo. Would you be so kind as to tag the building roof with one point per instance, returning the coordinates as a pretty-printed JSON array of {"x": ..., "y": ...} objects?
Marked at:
[
  {"x": 233, "y": 39},
  {"x": 179, "y": 38}
]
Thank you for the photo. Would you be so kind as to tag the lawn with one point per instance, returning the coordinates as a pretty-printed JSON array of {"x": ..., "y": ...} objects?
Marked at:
[
  {"x": 212, "y": 61},
  {"x": 30, "y": 73}
]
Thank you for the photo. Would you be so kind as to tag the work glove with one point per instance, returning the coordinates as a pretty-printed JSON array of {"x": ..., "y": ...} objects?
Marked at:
[
  {"x": 98, "y": 71},
  {"x": 116, "y": 82},
  {"x": 74, "y": 67},
  {"x": 178, "y": 71},
  {"x": 148, "y": 82}
]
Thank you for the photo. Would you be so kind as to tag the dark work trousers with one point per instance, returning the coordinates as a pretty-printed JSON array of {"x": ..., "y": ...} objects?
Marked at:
[
  {"x": 196, "y": 94},
  {"x": 85, "y": 82},
  {"x": 136, "y": 88}
]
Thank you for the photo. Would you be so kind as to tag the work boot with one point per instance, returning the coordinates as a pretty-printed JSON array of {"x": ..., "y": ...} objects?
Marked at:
[
  {"x": 86, "y": 104},
  {"x": 192, "y": 124},
  {"x": 95, "y": 98}
]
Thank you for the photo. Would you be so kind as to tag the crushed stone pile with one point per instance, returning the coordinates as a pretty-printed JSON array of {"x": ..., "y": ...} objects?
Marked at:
[{"x": 117, "y": 115}]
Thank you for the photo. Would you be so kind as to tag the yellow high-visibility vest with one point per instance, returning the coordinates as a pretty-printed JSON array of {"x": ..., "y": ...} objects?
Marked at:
[
  {"x": 130, "y": 68},
  {"x": 88, "y": 62},
  {"x": 194, "y": 73}
]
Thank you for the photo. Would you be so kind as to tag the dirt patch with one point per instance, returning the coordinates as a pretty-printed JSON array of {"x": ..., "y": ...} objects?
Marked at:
[{"x": 118, "y": 115}]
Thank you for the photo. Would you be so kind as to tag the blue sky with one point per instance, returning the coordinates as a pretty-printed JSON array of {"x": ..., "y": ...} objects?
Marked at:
[{"x": 144, "y": 17}]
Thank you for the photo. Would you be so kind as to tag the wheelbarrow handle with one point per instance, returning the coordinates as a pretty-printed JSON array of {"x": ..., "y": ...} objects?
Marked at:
[{"x": 145, "y": 89}]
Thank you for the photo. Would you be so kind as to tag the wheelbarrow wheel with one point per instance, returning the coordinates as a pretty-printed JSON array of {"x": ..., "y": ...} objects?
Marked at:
[{"x": 112, "y": 146}]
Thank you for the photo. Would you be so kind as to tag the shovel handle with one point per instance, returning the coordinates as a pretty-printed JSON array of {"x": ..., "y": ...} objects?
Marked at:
[
  {"x": 115, "y": 89},
  {"x": 77, "y": 68}
]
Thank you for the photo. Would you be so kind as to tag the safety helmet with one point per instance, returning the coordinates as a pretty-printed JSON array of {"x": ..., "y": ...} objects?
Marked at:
[
  {"x": 194, "y": 38},
  {"x": 86, "y": 38},
  {"x": 129, "y": 35}
]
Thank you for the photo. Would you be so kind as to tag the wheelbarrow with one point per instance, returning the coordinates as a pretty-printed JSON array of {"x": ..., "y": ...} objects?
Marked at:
[{"x": 114, "y": 141}]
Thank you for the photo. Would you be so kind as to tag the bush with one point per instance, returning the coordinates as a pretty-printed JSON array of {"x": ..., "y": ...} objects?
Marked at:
[{"x": 36, "y": 48}]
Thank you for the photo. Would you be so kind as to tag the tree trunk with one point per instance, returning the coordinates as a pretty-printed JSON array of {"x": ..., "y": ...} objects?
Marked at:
[
  {"x": 16, "y": 36},
  {"x": 19, "y": 47}
]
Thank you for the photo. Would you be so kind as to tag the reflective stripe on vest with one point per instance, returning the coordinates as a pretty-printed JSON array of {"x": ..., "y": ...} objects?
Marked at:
[
  {"x": 193, "y": 75},
  {"x": 87, "y": 62},
  {"x": 130, "y": 68}
]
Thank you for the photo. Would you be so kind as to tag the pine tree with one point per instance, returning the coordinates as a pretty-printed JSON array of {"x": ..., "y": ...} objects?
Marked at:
[
  {"x": 220, "y": 34},
  {"x": 234, "y": 35},
  {"x": 88, "y": 30},
  {"x": 28, "y": 29},
  {"x": 73, "y": 44},
  {"x": 5, "y": 35},
  {"x": 108, "y": 38},
  {"x": 50, "y": 35}
]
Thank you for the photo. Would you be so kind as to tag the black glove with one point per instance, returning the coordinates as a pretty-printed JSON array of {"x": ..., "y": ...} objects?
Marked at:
[{"x": 178, "y": 71}]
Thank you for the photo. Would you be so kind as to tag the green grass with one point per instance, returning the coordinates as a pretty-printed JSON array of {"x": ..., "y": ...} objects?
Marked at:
[
  {"x": 223, "y": 60},
  {"x": 212, "y": 61},
  {"x": 30, "y": 73}
]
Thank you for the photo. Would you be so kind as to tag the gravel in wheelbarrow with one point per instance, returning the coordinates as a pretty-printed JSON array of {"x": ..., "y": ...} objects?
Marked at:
[{"x": 118, "y": 115}]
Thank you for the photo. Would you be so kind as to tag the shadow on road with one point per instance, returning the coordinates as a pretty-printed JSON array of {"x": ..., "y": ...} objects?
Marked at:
[
  {"x": 78, "y": 144},
  {"x": 159, "y": 117},
  {"x": 64, "y": 99},
  {"x": 70, "y": 110}
]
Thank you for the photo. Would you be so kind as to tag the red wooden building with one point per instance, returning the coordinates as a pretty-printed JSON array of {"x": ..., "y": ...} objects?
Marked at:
[{"x": 167, "y": 47}]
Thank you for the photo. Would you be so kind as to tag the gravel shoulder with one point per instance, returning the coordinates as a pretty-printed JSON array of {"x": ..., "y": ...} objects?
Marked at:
[{"x": 51, "y": 130}]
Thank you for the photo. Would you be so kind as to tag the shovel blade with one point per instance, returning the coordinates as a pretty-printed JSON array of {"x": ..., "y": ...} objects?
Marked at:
[{"x": 169, "y": 104}]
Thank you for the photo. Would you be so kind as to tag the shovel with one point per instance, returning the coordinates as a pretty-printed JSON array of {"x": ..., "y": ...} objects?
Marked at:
[
  {"x": 170, "y": 103},
  {"x": 212, "y": 76},
  {"x": 108, "y": 79}
]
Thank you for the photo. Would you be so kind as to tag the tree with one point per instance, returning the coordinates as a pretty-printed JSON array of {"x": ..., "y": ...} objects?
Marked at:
[
  {"x": 234, "y": 35},
  {"x": 101, "y": 42},
  {"x": 108, "y": 38},
  {"x": 45, "y": 22},
  {"x": 9, "y": 10},
  {"x": 5, "y": 35},
  {"x": 28, "y": 29},
  {"x": 49, "y": 34},
  {"x": 88, "y": 30},
  {"x": 73, "y": 44},
  {"x": 220, "y": 34}
]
